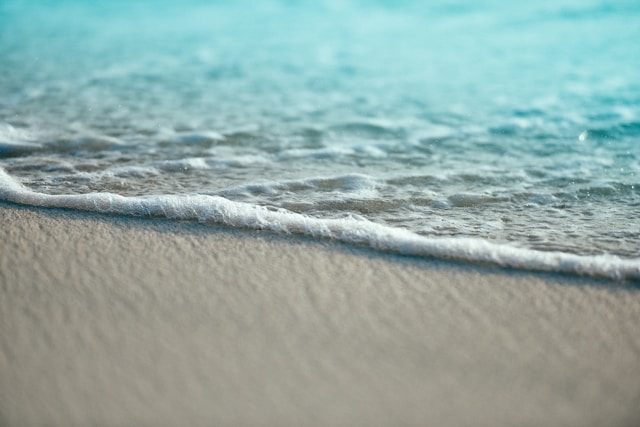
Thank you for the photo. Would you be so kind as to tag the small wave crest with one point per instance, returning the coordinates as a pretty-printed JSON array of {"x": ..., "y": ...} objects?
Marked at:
[
  {"x": 16, "y": 142},
  {"x": 343, "y": 183},
  {"x": 216, "y": 209}
]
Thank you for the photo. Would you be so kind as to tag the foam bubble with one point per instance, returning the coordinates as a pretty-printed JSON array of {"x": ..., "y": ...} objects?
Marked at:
[
  {"x": 183, "y": 165},
  {"x": 216, "y": 209}
]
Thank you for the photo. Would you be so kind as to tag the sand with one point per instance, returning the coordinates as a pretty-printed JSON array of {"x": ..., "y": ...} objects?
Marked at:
[{"x": 113, "y": 321}]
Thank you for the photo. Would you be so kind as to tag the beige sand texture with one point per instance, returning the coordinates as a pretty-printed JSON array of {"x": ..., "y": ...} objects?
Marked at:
[{"x": 113, "y": 321}]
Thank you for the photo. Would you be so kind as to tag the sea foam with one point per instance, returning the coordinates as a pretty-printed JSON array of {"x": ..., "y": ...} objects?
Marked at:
[{"x": 218, "y": 210}]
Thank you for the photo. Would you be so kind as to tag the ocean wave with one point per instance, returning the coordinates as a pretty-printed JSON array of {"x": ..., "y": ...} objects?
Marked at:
[
  {"x": 16, "y": 142},
  {"x": 351, "y": 229}
]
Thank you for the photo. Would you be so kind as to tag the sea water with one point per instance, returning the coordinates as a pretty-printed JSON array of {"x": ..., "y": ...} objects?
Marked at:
[{"x": 502, "y": 132}]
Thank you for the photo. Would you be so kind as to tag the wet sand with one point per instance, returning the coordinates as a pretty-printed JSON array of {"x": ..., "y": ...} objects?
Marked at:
[{"x": 107, "y": 320}]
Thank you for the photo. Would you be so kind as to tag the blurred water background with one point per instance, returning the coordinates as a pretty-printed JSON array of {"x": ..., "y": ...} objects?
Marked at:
[{"x": 511, "y": 122}]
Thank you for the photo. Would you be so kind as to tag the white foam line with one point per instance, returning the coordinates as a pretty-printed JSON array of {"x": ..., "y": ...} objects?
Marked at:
[{"x": 237, "y": 214}]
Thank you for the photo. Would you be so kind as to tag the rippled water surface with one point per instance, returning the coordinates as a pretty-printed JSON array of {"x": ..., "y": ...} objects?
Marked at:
[{"x": 517, "y": 123}]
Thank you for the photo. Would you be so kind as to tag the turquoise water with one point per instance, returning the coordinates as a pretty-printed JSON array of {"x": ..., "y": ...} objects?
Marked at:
[{"x": 510, "y": 125}]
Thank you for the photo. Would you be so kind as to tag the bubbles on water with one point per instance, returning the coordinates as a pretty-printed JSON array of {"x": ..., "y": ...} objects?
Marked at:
[{"x": 583, "y": 136}]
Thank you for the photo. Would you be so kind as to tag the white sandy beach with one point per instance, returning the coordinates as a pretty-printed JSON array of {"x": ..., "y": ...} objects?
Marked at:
[{"x": 113, "y": 321}]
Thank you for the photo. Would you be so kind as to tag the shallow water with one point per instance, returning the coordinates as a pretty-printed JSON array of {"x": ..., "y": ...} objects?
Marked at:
[{"x": 509, "y": 124}]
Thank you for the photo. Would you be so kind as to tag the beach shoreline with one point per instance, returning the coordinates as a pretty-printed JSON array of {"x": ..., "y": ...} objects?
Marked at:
[{"x": 113, "y": 320}]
